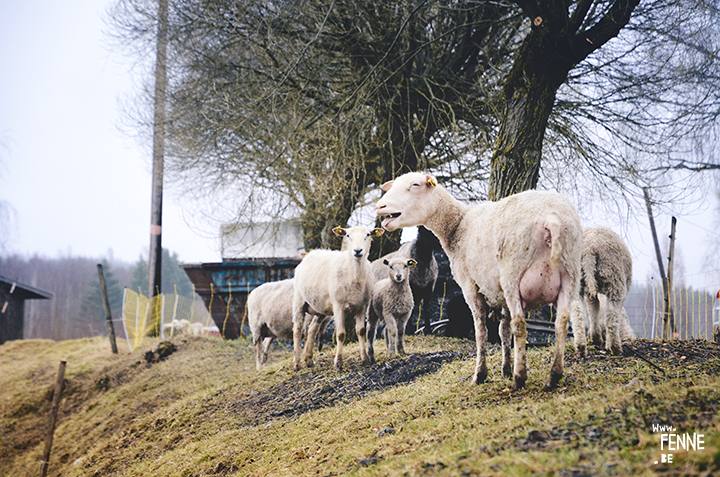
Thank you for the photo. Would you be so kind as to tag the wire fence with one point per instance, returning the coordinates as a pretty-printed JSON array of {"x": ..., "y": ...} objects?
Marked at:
[
  {"x": 162, "y": 316},
  {"x": 694, "y": 308}
]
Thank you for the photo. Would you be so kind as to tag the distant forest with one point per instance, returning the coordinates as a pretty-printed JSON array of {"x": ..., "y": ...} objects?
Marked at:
[{"x": 76, "y": 308}]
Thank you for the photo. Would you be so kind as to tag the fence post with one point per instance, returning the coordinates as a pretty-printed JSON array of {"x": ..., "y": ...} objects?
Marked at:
[
  {"x": 53, "y": 419},
  {"x": 669, "y": 318},
  {"x": 108, "y": 314}
]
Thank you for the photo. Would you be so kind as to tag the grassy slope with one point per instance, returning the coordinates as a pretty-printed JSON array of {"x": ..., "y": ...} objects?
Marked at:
[{"x": 204, "y": 411}]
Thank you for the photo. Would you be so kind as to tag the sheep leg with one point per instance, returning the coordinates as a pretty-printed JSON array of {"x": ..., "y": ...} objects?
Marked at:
[
  {"x": 297, "y": 338},
  {"x": 519, "y": 331},
  {"x": 612, "y": 318},
  {"x": 401, "y": 334},
  {"x": 506, "y": 342},
  {"x": 340, "y": 334},
  {"x": 592, "y": 304},
  {"x": 360, "y": 332},
  {"x": 258, "y": 352},
  {"x": 392, "y": 334},
  {"x": 577, "y": 318},
  {"x": 478, "y": 307},
  {"x": 266, "y": 348},
  {"x": 561, "y": 329},
  {"x": 310, "y": 341},
  {"x": 371, "y": 330}
]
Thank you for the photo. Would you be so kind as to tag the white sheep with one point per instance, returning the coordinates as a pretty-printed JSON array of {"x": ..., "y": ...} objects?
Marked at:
[
  {"x": 337, "y": 283},
  {"x": 518, "y": 253},
  {"x": 269, "y": 309},
  {"x": 606, "y": 270},
  {"x": 196, "y": 329},
  {"x": 179, "y": 327},
  {"x": 392, "y": 301}
]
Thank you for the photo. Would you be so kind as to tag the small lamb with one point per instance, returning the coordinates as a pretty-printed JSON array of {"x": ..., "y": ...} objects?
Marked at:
[
  {"x": 518, "y": 253},
  {"x": 392, "y": 301},
  {"x": 337, "y": 283},
  {"x": 423, "y": 276}
]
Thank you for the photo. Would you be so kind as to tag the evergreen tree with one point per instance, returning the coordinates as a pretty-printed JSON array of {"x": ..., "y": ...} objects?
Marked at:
[
  {"x": 93, "y": 308},
  {"x": 173, "y": 276}
]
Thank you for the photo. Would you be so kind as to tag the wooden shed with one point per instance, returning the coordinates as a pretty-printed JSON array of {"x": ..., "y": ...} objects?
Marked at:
[
  {"x": 224, "y": 287},
  {"x": 12, "y": 307}
]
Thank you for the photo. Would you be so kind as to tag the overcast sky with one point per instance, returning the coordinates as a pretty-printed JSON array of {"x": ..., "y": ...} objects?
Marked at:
[
  {"x": 79, "y": 187},
  {"x": 76, "y": 184}
]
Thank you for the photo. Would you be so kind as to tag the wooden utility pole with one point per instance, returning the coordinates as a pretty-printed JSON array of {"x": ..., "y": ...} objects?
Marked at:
[
  {"x": 108, "y": 313},
  {"x": 155, "y": 261},
  {"x": 53, "y": 419}
]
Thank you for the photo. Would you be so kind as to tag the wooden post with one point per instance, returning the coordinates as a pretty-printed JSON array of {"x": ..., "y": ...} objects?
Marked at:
[
  {"x": 53, "y": 419},
  {"x": 155, "y": 260},
  {"x": 669, "y": 318},
  {"x": 658, "y": 255},
  {"x": 108, "y": 313}
]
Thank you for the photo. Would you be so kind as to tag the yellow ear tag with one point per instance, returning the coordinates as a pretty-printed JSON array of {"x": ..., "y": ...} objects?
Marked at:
[{"x": 432, "y": 181}]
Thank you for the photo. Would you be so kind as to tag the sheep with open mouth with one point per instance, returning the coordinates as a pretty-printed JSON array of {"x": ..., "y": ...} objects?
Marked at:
[{"x": 518, "y": 253}]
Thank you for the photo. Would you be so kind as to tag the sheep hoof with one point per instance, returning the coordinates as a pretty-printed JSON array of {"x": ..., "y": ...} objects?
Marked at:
[
  {"x": 506, "y": 371},
  {"x": 616, "y": 350},
  {"x": 479, "y": 377},
  {"x": 554, "y": 380},
  {"x": 519, "y": 382},
  {"x": 582, "y": 351}
]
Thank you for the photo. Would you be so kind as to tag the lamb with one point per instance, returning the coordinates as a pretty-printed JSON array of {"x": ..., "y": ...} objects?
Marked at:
[
  {"x": 196, "y": 329},
  {"x": 269, "y": 309},
  {"x": 392, "y": 300},
  {"x": 518, "y": 253},
  {"x": 423, "y": 276},
  {"x": 337, "y": 283},
  {"x": 606, "y": 269}
]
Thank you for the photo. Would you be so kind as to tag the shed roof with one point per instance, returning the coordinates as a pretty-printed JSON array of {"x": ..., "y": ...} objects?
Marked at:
[{"x": 26, "y": 292}]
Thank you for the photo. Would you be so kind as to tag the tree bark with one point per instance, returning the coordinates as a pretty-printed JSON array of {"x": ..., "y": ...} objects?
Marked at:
[{"x": 555, "y": 44}]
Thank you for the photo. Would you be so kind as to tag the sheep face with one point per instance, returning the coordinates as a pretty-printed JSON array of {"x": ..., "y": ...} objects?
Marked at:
[
  {"x": 399, "y": 268},
  {"x": 407, "y": 200},
  {"x": 357, "y": 239}
]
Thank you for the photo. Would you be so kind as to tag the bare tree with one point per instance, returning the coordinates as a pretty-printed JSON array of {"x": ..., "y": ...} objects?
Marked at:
[{"x": 303, "y": 107}]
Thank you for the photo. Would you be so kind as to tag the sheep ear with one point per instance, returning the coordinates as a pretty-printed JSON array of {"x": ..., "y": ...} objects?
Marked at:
[
  {"x": 339, "y": 231},
  {"x": 386, "y": 186},
  {"x": 431, "y": 180},
  {"x": 385, "y": 262},
  {"x": 377, "y": 232},
  {"x": 412, "y": 262}
]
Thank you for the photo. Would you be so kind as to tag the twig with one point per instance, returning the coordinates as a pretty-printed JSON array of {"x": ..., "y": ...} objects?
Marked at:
[{"x": 646, "y": 360}]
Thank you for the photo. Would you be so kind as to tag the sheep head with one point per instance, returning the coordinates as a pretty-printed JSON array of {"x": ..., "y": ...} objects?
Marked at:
[
  {"x": 399, "y": 268},
  {"x": 407, "y": 200},
  {"x": 357, "y": 239}
]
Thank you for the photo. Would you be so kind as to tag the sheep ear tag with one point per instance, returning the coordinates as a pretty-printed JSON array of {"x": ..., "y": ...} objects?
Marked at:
[
  {"x": 412, "y": 262},
  {"x": 339, "y": 231},
  {"x": 377, "y": 232},
  {"x": 431, "y": 181}
]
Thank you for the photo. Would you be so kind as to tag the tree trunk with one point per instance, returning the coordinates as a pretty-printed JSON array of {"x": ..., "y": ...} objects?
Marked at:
[
  {"x": 528, "y": 100},
  {"x": 556, "y": 43}
]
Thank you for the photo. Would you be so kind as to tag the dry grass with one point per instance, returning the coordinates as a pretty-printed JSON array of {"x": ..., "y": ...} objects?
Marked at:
[{"x": 203, "y": 410}]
